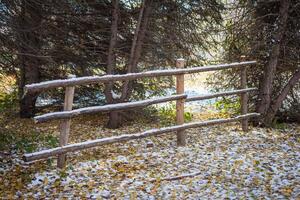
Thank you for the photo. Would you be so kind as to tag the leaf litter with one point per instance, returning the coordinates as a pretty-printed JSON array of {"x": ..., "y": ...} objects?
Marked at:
[{"x": 228, "y": 163}]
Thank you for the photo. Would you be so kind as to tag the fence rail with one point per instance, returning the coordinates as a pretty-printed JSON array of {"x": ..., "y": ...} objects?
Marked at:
[
  {"x": 180, "y": 99},
  {"x": 220, "y": 94},
  {"x": 37, "y": 87},
  {"x": 126, "y": 137},
  {"x": 105, "y": 108}
]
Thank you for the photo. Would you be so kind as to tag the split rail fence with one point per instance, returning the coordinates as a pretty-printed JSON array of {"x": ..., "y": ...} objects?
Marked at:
[{"x": 180, "y": 99}]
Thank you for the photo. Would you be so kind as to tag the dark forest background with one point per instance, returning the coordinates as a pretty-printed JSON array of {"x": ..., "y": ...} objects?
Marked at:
[{"x": 49, "y": 39}]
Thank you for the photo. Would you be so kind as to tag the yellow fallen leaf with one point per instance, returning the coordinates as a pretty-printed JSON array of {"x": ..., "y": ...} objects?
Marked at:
[
  {"x": 133, "y": 195},
  {"x": 46, "y": 181},
  {"x": 286, "y": 191}
]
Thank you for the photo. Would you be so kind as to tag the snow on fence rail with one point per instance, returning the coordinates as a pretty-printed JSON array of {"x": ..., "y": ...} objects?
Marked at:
[
  {"x": 37, "y": 87},
  {"x": 180, "y": 98},
  {"x": 105, "y": 108},
  {"x": 219, "y": 94},
  {"x": 126, "y": 137}
]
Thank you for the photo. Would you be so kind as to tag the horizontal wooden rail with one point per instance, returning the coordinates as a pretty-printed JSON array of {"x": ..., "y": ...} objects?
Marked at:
[
  {"x": 38, "y": 87},
  {"x": 219, "y": 94},
  {"x": 105, "y": 108},
  {"x": 122, "y": 138}
]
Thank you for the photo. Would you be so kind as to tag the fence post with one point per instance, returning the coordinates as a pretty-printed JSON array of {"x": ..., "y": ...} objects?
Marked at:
[
  {"x": 244, "y": 97},
  {"x": 66, "y": 123},
  {"x": 181, "y": 135}
]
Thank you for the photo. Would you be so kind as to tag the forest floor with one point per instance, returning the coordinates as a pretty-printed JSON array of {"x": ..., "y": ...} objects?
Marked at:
[{"x": 259, "y": 164}]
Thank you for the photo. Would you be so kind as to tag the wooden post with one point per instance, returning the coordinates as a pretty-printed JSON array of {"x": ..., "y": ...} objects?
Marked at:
[
  {"x": 66, "y": 123},
  {"x": 181, "y": 136},
  {"x": 244, "y": 98}
]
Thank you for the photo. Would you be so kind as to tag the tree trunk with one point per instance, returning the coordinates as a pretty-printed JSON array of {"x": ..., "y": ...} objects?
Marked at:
[
  {"x": 29, "y": 44},
  {"x": 265, "y": 94},
  {"x": 279, "y": 100},
  {"x": 135, "y": 52},
  {"x": 29, "y": 74},
  {"x": 114, "y": 120},
  {"x": 115, "y": 117}
]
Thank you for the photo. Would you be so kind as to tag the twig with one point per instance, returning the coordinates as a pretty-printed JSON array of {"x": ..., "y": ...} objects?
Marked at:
[{"x": 177, "y": 177}]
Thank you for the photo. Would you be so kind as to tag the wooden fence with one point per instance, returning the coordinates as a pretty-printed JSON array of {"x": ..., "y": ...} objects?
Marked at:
[{"x": 180, "y": 99}]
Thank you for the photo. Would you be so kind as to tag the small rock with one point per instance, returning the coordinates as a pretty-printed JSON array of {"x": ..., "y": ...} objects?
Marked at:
[
  {"x": 105, "y": 194},
  {"x": 149, "y": 144},
  {"x": 122, "y": 159}
]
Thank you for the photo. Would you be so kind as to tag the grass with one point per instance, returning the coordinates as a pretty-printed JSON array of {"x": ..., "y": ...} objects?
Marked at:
[
  {"x": 26, "y": 143},
  {"x": 22, "y": 135}
]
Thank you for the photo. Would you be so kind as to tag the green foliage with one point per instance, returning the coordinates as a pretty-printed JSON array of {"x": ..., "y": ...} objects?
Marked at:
[
  {"x": 188, "y": 116},
  {"x": 252, "y": 36},
  {"x": 167, "y": 115},
  {"x": 27, "y": 143},
  {"x": 146, "y": 115},
  {"x": 81, "y": 47},
  {"x": 151, "y": 87},
  {"x": 63, "y": 174},
  {"x": 8, "y": 100},
  {"x": 281, "y": 126},
  {"x": 228, "y": 106}
]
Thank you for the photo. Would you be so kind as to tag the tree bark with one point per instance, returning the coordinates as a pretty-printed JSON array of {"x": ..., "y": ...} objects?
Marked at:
[
  {"x": 135, "y": 52},
  {"x": 29, "y": 44},
  {"x": 115, "y": 117},
  {"x": 114, "y": 120},
  {"x": 265, "y": 94},
  {"x": 29, "y": 74},
  {"x": 279, "y": 100}
]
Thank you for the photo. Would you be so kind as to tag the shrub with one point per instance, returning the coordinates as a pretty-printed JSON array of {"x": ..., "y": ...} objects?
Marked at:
[
  {"x": 167, "y": 115},
  {"x": 229, "y": 106},
  {"x": 8, "y": 93}
]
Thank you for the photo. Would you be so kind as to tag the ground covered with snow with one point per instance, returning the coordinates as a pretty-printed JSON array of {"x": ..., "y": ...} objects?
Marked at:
[{"x": 259, "y": 164}]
